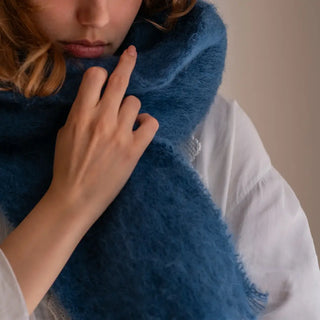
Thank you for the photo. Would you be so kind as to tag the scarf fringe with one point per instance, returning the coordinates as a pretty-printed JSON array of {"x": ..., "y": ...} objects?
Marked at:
[{"x": 257, "y": 300}]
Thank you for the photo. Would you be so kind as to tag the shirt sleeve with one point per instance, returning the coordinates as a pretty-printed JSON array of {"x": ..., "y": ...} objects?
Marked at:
[
  {"x": 269, "y": 227},
  {"x": 12, "y": 303},
  {"x": 273, "y": 237}
]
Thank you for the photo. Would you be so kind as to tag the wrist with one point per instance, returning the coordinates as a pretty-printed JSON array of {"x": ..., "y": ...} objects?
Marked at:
[{"x": 70, "y": 207}]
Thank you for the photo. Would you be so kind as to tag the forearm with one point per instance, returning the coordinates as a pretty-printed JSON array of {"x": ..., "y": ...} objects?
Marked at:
[{"x": 39, "y": 247}]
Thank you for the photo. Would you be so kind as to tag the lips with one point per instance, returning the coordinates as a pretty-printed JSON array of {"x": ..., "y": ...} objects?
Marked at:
[
  {"x": 85, "y": 49},
  {"x": 88, "y": 43}
]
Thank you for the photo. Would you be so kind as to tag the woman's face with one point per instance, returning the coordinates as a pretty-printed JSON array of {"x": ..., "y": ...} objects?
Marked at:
[{"x": 94, "y": 20}]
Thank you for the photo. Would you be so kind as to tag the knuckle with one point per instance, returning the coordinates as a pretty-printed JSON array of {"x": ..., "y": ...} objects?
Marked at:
[
  {"x": 97, "y": 130},
  {"x": 154, "y": 122},
  {"x": 72, "y": 129},
  {"x": 120, "y": 141},
  {"x": 97, "y": 126},
  {"x": 78, "y": 119},
  {"x": 118, "y": 80},
  {"x": 124, "y": 58},
  {"x": 96, "y": 71},
  {"x": 134, "y": 101},
  {"x": 105, "y": 128}
]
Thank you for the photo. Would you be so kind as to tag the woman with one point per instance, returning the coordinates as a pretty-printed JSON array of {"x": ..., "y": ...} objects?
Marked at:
[{"x": 261, "y": 210}]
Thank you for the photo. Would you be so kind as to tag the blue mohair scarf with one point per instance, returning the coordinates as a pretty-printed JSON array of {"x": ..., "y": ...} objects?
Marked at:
[{"x": 161, "y": 249}]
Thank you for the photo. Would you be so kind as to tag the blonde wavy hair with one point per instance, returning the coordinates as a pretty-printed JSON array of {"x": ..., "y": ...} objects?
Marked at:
[{"x": 33, "y": 65}]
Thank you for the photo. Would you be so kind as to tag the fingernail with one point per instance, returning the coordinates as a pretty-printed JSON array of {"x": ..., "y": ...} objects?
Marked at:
[{"x": 132, "y": 50}]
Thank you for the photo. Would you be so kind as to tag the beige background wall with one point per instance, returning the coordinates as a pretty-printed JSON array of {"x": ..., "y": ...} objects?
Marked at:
[{"x": 273, "y": 70}]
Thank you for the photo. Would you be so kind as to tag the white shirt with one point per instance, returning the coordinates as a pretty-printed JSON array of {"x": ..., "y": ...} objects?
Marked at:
[{"x": 270, "y": 229}]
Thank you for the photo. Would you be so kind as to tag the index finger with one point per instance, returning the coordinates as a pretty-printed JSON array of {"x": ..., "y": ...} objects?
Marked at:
[{"x": 117, "y": 84}]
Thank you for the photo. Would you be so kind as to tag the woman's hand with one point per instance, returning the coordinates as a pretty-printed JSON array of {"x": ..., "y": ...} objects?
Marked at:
[{"x": 97, "y": 150}]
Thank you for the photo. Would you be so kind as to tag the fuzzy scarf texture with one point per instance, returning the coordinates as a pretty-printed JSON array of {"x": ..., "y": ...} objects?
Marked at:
[{"x": 161, "y": 249}]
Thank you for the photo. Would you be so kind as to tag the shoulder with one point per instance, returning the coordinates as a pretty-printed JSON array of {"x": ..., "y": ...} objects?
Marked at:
[
  {"x": 232, "y": 157},
  {"x": 264, "y": 215}
]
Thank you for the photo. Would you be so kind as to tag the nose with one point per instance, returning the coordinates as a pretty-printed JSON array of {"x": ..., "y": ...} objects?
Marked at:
[{"x": 93, "y": 13}]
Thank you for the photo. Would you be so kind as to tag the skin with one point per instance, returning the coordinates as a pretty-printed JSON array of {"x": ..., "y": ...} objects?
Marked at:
[
  {"x": 96, "y": 150},
  {"x": 105, "y": 20}
]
